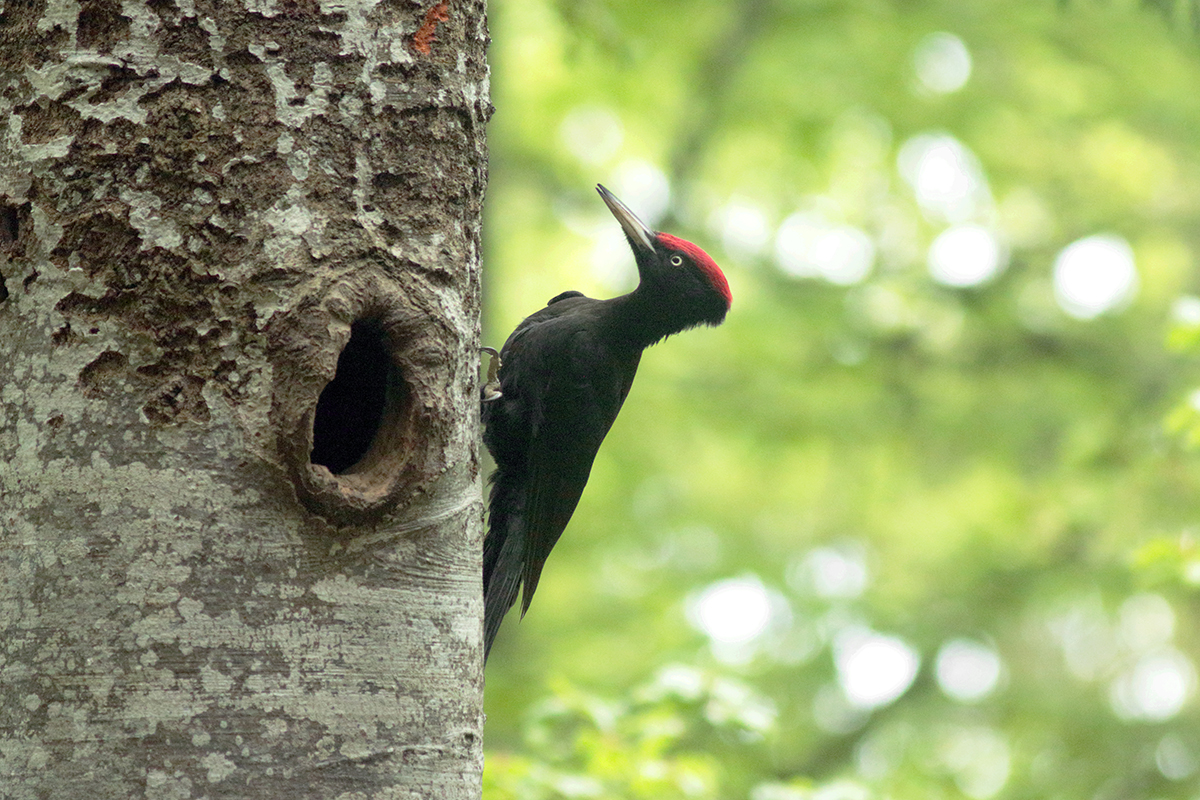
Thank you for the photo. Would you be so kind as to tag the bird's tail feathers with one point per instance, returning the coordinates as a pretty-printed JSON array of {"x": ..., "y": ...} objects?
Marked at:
[{"x": 503, "y": 557}]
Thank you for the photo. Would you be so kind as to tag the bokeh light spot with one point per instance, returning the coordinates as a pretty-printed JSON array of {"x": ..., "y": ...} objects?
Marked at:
[
  {"x": 1186, "y": 310},
  {"x": 592, "y": 134},
  {"x": 1094, "y": 275},
  {"x": 1146, "y": 622},
  {"x": 967, "y": 671},
  {"x": 743, "y": 228},
  {"x": 733, "y": 611},
  {"x": 873, "y": 669},
  {"x": 945, "y": 176},
  {"x": 838, "y": 571},
  {"x": 964, "y": 255},
  {"x": 1089, "y": 645},
  {"x": 980, "y": 759},
  {"x": 844, "y": 255},
  {"x": 795, "y": 239},
  {"x": 1156, "y": 688},
  {"x": 1174, "y": 759},
  {"x": 942, "y": 63},
  {"x": 808, "y": 245}
]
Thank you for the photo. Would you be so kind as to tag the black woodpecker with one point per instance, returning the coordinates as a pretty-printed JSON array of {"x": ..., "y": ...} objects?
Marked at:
[{"x": 565, "y": 371}]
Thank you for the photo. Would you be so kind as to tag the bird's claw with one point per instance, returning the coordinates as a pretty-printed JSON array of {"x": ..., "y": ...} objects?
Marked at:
[{"x": 491, "y": 388}]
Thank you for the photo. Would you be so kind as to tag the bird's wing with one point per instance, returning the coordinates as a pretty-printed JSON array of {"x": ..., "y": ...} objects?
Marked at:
[
  {"x": 580, "y": 387},
  {"x": 582, "y": 396}
]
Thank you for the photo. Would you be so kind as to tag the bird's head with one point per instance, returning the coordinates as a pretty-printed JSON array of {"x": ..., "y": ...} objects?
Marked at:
[{"x": 673, "y": 266}]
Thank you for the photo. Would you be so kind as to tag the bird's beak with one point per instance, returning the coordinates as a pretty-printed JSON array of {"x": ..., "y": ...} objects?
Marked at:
[{"x": 639, "y": 234}]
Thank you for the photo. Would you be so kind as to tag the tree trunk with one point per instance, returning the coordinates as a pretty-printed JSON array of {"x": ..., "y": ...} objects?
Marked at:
[{"x": 224, "y": 572}]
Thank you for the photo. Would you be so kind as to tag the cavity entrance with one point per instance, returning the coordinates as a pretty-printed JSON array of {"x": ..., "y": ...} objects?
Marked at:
[{"x": 365, "y": 399}]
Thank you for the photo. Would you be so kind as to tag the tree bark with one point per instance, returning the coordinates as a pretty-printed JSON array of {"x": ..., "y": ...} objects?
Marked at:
[{"x": 225, "y": 572}]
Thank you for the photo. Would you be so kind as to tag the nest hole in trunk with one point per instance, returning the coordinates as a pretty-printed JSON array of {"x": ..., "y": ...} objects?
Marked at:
[{"x": 361, "y": 413}]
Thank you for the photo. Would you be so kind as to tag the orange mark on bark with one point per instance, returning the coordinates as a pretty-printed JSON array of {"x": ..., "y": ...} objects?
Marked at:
[{"x": 423, "y": 38}]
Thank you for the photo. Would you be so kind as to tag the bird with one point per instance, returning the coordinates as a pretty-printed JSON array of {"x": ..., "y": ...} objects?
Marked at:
[{"x": 564, "y": 374}]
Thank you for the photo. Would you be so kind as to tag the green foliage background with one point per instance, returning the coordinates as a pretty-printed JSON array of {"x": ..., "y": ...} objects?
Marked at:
[{"x": 1006, "y": 474}]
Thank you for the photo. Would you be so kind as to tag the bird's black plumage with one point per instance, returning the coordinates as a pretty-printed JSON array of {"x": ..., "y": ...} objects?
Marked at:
[{"x": 565, "y": 372}]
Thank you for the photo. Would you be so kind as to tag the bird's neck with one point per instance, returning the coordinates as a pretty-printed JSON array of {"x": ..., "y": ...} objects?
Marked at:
[{"x": 647, "y": 315}]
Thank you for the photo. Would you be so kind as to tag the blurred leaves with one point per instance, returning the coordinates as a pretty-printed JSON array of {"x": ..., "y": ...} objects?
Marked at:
[
  {"x": 656, "y": 744},
  {"x": 891, "y": 438}
]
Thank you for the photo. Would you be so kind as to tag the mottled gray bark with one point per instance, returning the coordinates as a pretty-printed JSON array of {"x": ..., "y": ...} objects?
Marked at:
[{"x": 201, "y": 203}]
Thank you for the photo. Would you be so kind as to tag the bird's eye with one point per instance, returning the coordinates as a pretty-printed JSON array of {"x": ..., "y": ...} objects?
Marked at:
[{"x": 677, "y": 261}]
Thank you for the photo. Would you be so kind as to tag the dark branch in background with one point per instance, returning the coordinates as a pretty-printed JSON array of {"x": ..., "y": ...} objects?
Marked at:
[
  {"x": 592, "y": 22},
  {"x": 1164, "y": 7},
  {"x": 1167, "y": 9},
  {"x": 714, "y": 80}
]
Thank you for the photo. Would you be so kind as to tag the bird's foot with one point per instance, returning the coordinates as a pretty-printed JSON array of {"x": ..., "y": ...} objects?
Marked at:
[{"x": 491, "y": 388}]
